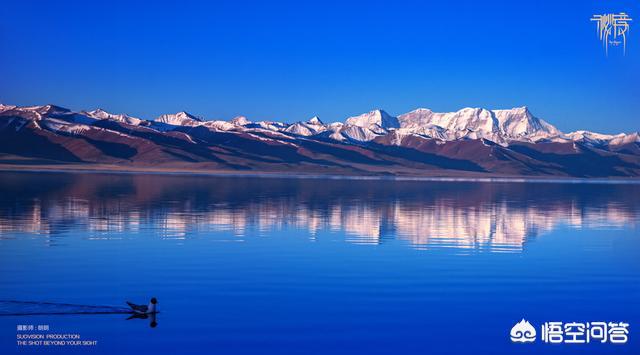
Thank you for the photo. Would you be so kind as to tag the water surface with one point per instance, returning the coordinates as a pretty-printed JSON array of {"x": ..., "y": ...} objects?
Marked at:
[{"x": 276, "y": 265}]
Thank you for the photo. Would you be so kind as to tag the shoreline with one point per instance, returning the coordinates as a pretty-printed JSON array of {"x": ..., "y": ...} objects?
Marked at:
[{"x": 105, "y": 169}]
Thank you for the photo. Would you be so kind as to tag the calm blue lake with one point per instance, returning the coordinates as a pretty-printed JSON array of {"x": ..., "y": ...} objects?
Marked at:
[{"x": 246, "y": 265}]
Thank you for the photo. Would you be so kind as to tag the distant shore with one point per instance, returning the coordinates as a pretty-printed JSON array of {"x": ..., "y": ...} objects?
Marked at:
[{"x": 427, "y": 176}]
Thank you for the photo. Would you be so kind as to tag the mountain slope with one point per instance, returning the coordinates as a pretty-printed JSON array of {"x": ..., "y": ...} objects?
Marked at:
[{"x": 471, "y": 141}]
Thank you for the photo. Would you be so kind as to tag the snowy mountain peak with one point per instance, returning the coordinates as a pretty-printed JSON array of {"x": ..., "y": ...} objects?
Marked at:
[
  {"x": 46, "y": 109},
  {"x": 456, "y": 124},
  {"x": 417, "y": 118},
  {"x": 499, "y": 126},
  {"x": 601, "y": 139},
  {"x": 185, "y": 115},
  {"x": 6, "y": 107},
  {"x": 519, "y": 122},
  {"x": 181, "y": 118},
  {"x": 101, "y": 114},
  {"x": 467, "y": 143},
  {"x": 240, "y": 121},
  {"x": 374, "y": 118}
]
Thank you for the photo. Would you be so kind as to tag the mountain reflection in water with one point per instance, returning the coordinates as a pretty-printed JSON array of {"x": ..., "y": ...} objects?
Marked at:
[{"x": 487, "y": 216}]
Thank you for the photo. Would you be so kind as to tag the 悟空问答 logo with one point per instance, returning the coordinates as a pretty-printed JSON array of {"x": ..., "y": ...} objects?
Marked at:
[{"x": 523, "y": 332}]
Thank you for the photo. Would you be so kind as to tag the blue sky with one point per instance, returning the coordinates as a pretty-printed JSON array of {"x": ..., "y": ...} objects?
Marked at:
[{"x": 292, "y": 60}]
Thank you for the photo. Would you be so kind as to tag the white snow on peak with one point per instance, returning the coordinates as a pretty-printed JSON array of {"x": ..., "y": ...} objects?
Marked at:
[
  {"x": 315, "y": 120},
  {"x": 625, "y": 138},
  {"x": 496, "y": 125},
  {"x": 271, "y": 125},
  {"x": 361, "y": 134},
  {"x": 48, "y": 109},
  {"x": 41, "y": 111},
  {"x": 240, "y": 121},
  {"x": 312, "y": 127},
  {"x": 180, "y": 119},
  {"x": 519, "y": 122},
  {"x": 300, "y": 129},
  {"x": 580, "y": 135},
  {"x": 474, "y": 119},
  {"x": 101, "y": 114},
  {"x": 602, "y": 139},
  {"x": 220, "y": 125},
  {"x": 6, "y": 107},
  {"x": 374, "y": 118}
]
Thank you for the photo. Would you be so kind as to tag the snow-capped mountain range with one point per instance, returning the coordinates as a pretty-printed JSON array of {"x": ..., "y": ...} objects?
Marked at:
[
  {"x": 498, "y": 126},
  {"x": 420, "y": 130}
]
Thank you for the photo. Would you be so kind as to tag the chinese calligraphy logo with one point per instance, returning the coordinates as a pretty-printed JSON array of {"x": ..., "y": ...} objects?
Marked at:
[{"x": 612, "y": 30}]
